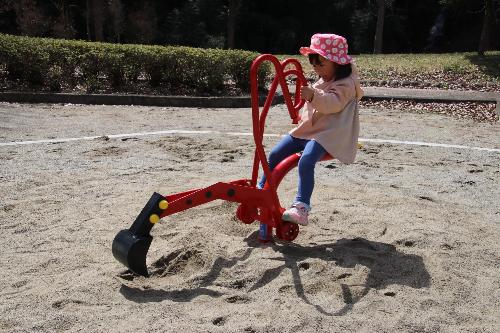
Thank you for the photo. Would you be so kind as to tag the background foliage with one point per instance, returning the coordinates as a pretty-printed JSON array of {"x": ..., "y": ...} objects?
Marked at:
[
  {"x": 279, "y": 26},
  {"x": 59, "y": 64}
]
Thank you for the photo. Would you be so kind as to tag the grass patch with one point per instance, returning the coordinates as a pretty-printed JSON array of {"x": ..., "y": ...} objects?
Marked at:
[{"x": 447, "y": 71}]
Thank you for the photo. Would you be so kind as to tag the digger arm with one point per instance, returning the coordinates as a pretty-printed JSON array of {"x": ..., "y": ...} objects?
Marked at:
[
  {"x": 130, "y": 246},
  {"x": 236, "y": 191}
]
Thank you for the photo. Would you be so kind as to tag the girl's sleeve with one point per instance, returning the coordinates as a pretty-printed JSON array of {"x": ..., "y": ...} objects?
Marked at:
[{"x": 334, "y": 99}]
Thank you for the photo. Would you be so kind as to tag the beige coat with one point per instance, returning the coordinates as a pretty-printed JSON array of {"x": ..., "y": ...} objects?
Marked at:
[{"x": 332, "y": 118}]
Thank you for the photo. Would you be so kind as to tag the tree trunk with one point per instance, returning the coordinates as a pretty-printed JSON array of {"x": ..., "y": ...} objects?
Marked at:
[
  {"x": 484, "y": 42},
  {"x": 379, "y": 33},
  {"x": 90, "y": 33},
  {"x": 98, "y": 20},
  {"x": 234, "y": 7},
  {"x": 95, "y": 20},
  {"x": 117, "y": 17}
]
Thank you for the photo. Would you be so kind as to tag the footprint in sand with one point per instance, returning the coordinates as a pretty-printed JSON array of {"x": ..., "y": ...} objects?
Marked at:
[
  {"x": 343, "y": 276},
  {"x": 228, "y": 155},
  {"x": 238, "y": 299},
  {"x": 370, "y": 151},
  {"x": 19, "y": 284},
  {"x": 106, "y": 151},
  {"x": 184, "y": 261},
  {"x": 62, "y": 303},
  {"x": 219, "y": 321},
  {"x": 237, "y": 284},
  {"x": 423, "y": 197},
  {"x": 406, "y": 242},
  {"x": 8, "y": 207}
]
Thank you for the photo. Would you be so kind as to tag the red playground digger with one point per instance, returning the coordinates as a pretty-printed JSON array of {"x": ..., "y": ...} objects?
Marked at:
[{"x": 130, "y": 246}]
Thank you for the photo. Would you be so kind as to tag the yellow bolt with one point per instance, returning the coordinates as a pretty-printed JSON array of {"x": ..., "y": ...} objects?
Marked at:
[
  {"x": 360, "y": 146},
  {"x": 154, "y": 218},
  {"x": 163, "y": 204}
]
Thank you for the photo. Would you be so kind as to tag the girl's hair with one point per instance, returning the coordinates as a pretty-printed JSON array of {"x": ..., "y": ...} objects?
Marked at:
[{"x": 341, "y": 72}]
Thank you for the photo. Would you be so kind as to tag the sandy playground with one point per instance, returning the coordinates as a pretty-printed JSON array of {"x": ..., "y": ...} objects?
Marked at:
[{"x": 407, "y": 239}]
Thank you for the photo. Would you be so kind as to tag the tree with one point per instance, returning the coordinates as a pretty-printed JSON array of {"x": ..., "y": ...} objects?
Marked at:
[
  {"x": 63, "y": 25},
  {"x": 487, "y": 7},
  {"x": 232, "y": 13},
  {"x": 267, "y": 26},
  {"x": 117, "y": 17},
  {"x": 484, "y": 41},
  {"x": 30, "y": 18},
  {"x": 379, "y": 32},
  {"x": 142, "y": 23},
  {"x": 95, "y": 20}
]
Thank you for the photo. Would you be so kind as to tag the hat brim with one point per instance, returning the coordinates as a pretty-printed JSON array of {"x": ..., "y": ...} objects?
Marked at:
[{"x": 307, "y": 51}]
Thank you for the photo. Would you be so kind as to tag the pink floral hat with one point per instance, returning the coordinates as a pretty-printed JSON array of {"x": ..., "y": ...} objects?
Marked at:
[{"x": 332, "y": 47}]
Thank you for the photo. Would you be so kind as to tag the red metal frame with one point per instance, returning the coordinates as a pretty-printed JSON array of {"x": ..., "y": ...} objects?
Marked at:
[
  {"x": 256, "y": 204},
  {"x": 130, "y": 246}
]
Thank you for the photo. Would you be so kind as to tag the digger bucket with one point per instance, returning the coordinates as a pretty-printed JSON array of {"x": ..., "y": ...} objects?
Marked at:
[
  {"x": 131, "y": 246},
  {"x": 131, "y": 251}
]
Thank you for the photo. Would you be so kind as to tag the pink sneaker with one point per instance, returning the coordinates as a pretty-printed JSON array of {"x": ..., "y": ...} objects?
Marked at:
[{"x": 297, "y": 213}]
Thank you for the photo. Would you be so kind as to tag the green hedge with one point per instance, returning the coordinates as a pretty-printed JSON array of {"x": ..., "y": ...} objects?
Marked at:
[{"x": 54, "y": 64}]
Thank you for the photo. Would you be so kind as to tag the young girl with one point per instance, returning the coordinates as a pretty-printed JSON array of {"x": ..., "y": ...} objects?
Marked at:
[{"x": 329, "y": 122}]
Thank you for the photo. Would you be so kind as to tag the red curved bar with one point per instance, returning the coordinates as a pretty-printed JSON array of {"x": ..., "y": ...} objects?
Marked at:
[
  {"x": 285, "y": 166},
  {"x": 259, "y": 118}
]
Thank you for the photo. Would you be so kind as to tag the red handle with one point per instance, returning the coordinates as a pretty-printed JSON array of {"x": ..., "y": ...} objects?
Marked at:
[
  {"x": 258, "y": 118},
  {"x": 299, "y": 83}
]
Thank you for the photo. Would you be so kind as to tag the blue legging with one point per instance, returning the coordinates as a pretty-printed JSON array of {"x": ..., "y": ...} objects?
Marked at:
[{"x": 312, "y": 152}]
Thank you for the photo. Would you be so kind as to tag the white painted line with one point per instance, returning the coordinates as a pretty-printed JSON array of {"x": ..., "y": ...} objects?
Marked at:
[
  {"x": 20, "y": 143},
  {"x": 427, "y": 144},
  {"x": 170, "y": 132},
  {"x": 167, "y": 132}
]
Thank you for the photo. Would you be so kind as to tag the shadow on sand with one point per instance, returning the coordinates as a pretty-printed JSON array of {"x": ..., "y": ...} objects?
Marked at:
[{"x": 387, "y": 266}]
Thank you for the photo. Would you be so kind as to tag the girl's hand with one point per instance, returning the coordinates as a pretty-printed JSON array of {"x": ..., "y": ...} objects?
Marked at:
[{"x": 307, "y": 93}]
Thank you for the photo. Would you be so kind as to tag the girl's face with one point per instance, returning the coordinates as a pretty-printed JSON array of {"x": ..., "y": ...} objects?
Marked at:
[{"x": 324, "y": 68}]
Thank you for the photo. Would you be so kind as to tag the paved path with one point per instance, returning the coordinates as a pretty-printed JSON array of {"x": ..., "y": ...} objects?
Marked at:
[
  {"x": 431, "y": 95},
  {"x": 243, "y": 101}
]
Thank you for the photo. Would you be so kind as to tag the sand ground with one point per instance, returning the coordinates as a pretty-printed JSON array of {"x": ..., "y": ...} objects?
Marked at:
[{"x": 404, "y": 240}]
